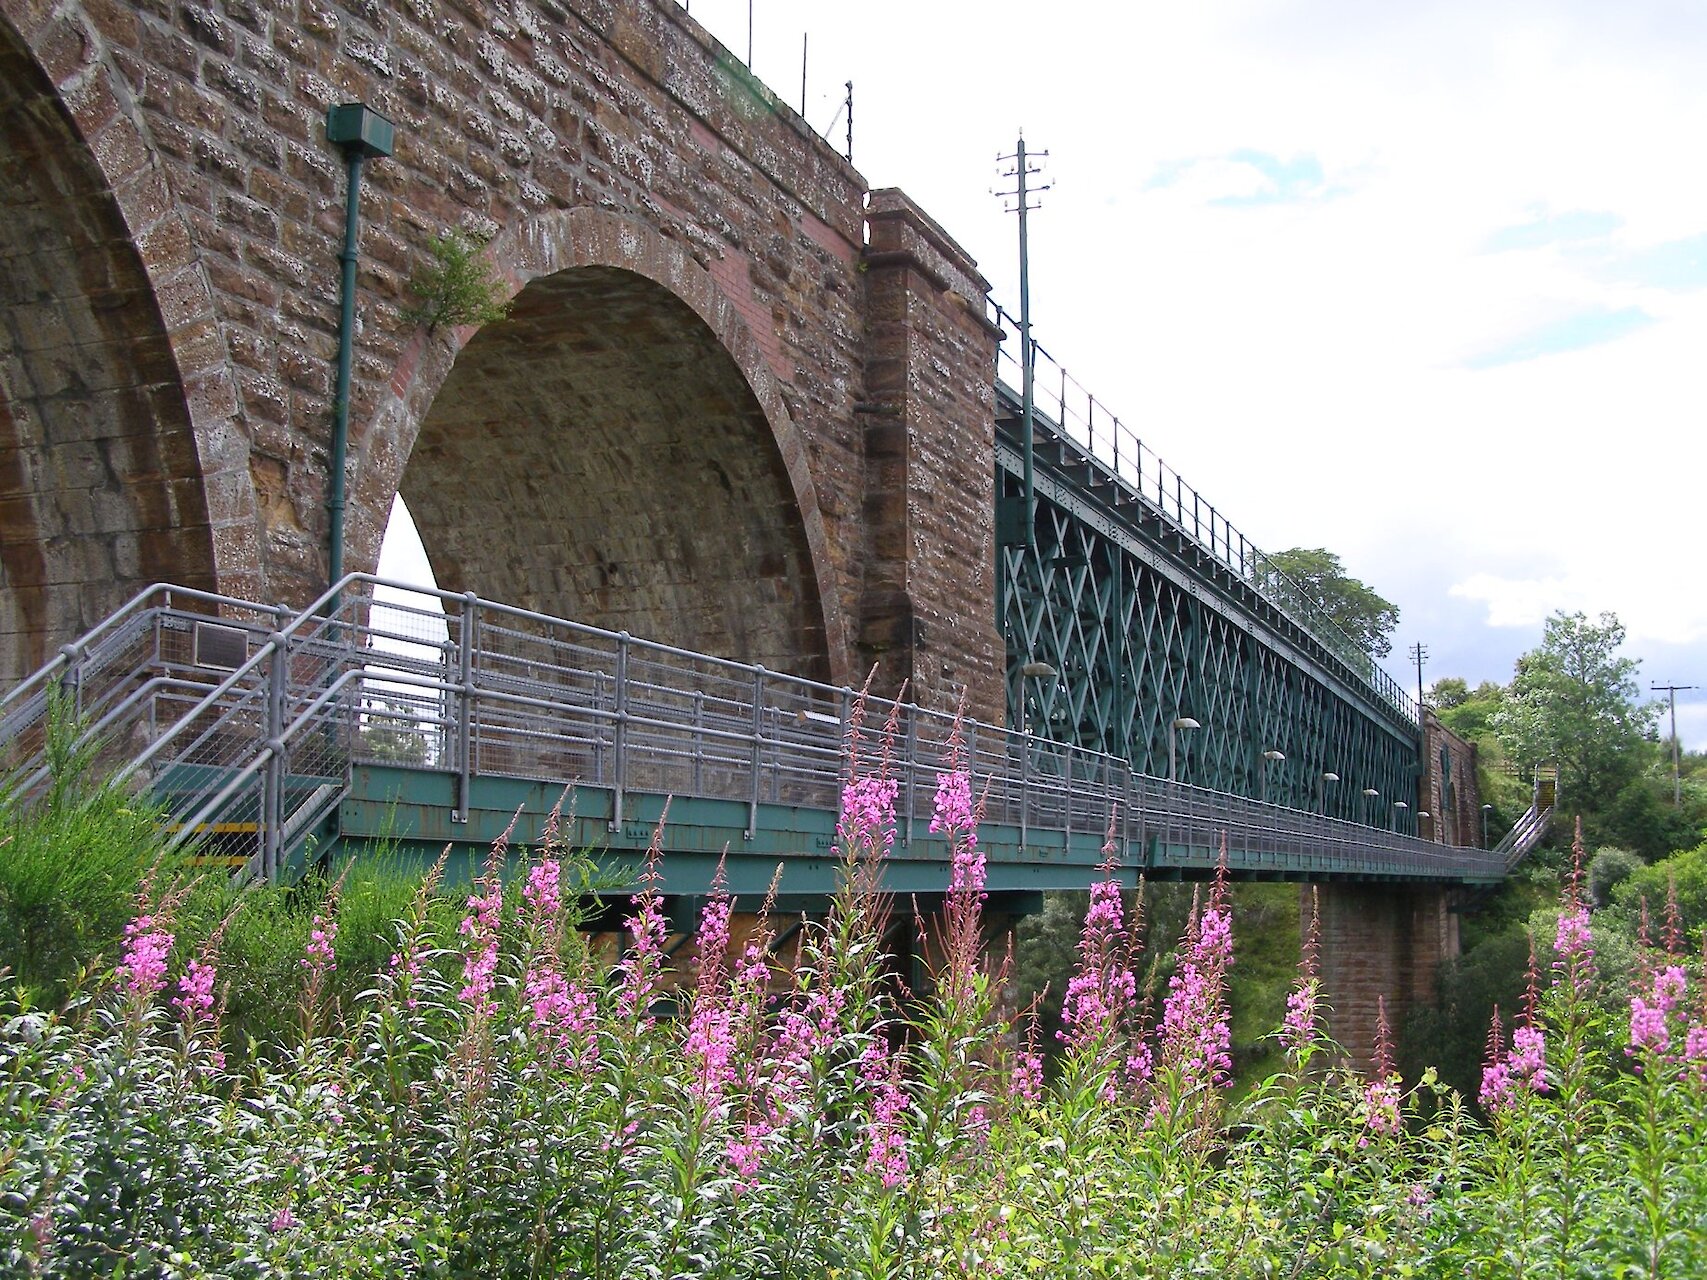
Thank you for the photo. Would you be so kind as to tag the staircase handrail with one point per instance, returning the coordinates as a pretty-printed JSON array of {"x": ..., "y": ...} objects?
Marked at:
[
  {"x": 1524, "y": 835},
  {"x": 89, "y": 641},
  {"x": 275, "y": 642}
]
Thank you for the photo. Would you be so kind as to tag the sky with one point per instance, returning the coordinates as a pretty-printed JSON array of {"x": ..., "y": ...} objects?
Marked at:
[{"x": 1423, "y": 283}]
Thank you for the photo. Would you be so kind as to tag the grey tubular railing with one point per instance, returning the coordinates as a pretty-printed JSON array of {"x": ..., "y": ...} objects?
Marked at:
[{"x": 525, "y": 700}]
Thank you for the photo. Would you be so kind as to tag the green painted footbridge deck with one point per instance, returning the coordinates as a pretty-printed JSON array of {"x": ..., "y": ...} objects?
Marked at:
[{"x": 387, "y": 712}]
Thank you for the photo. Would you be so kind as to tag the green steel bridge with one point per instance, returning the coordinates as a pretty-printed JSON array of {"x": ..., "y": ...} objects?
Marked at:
[
  {"x": 1138, "y": 621},
  {"x": 391, "y": 713}
]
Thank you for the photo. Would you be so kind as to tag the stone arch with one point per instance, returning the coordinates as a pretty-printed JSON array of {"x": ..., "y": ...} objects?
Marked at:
[
  {"x": 120, "y": 462},
  {"x": 615, "y": 330}
]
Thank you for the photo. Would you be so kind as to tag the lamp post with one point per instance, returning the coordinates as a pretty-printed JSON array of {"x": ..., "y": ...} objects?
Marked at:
[
  {"x": 1328, "y": 776},
  {"x": 1399, "y": 810},
  {"x": 1422, "y": 816},
  {"x": 1271, "y": 756},
  {"x": 362, "y": 134},
  {"x": 1370, "y": 796},
  {"x": 1182, "y": 722},
  {"x": 1486, "y": 810}
]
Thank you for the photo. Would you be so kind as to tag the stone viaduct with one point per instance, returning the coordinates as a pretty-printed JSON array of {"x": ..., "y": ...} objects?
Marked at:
[{"x": 743, "y": 403}]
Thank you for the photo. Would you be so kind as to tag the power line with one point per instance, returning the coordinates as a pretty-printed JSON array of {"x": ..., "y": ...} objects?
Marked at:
[{"x": 1671, "y": 691}]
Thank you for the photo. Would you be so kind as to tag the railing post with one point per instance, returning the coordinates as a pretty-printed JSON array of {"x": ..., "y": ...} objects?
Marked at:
[
  {"x": 698, "y": 742},
  {"x": 912, "y": 771},
  {"x": 71, "y": 683},
  {"x": 758, "y": 738},
  {"x": 1067, "y": 798},
  {"x": 466, "y": 639},
  {"x": 272, "y": 781},
  {"x": 1025, "y": 742},
  {"x": 619, "y": 735}
]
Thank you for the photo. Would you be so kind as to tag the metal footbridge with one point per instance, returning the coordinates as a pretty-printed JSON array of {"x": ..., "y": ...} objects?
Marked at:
[{"x": 384, "y": 713}]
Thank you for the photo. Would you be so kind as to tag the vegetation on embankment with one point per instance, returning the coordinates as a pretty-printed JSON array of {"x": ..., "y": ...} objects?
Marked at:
[{"x": 487, "y": 1096}]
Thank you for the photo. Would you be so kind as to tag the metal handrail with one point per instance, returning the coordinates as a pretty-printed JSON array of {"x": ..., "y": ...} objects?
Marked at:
[
  {"x": 648, "y": 717},
  {"x": 1102, "y": 438}
]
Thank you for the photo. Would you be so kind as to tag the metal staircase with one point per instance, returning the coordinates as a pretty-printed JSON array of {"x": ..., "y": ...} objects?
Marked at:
[
  {"x": 233, "y": 717},
  {"x": 1530, "y": 829}
]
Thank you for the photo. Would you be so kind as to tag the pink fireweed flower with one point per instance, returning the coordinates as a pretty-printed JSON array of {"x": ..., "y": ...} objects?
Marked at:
[
  {"x": 745, "y": 1153},
  {"x": 543, "y": 891},
  {"x": 1103, "y": 988},
  {"x": 952, "y": 809},
  {"x": 1026, "y": 1079},
  {"x": 1195, "y": 1037},
  {"x": 647, "y": 930},
  {"x": 886, "y": 1149},
  {"x": 1381, "y": 1094},
  {"x": 867, "y": 824},
  {"x": 1380, "y": 1111},
  {"x": 320, "y": 955},
  {"x": 147, "y": 944},
  {"x": 710, "y": 1048},
  {"x": 1695, "y": 1051},
  {"x": 195, "y": 992},
  {"x": 562, "y": 1018},
  {"x": 480, "y": 962},
  {"x": 1573, "y": 936},
  {"x": 1650, "y": 1017},
  {"x": 710, "y": 1043},
  {"x": 1573, "y": 943},
  {"x": 283, "y": 1220},
  {"x": 969, "y": 873},
  {"x": 1508, "y": 1073},
  {"x": 1298, "y": 1028},
  {"x": 1528, "y": 1058}
]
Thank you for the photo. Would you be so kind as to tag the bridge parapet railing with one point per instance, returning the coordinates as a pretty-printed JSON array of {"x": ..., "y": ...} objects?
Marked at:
[
  {"x": 1065, "y": 409},
  {"x": 559, "y": 700},
  {"x": 431, "y": 679}
]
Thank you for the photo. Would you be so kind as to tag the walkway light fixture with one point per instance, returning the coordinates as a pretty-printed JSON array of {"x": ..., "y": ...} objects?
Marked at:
[
  {"x": 1370, "y": 796},
  {"x": 1271, "y": 756},
  {"x": 1422, "y": 815},
  {"x": 1399, "y": 809},
  {"x": 1181, "y": 722},
  {"x": 1328, "y": 776},
  {"x": 1035, "y": 669},
  {"x": 1486, "y": 810}
]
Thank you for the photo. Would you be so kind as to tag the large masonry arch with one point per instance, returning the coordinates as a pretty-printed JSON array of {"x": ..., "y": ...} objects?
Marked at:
[
  {"x": 615, "y": 451},
  {"x": 102, "y": 477}
]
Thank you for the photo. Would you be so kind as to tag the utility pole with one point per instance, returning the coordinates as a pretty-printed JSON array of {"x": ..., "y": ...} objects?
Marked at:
[
  {"x": 1022, "y": 195},
  {"x": 1671, "y": 692},
  {"x": 1419, "y": 655}
]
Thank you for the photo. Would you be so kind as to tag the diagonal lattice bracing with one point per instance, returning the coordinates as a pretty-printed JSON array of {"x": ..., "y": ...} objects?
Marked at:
[{"x": 1142, "y": 630}]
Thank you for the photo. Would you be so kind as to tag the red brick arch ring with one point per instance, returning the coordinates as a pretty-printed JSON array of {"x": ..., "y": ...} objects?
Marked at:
[{"x": 565, "y": 259}]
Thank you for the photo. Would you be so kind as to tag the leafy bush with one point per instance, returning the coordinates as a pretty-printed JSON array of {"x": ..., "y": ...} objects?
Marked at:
[{"x": 72, "y": 865}]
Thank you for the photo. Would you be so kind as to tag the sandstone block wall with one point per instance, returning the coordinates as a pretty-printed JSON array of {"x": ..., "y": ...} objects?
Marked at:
[{"x": 576, "y": 134}]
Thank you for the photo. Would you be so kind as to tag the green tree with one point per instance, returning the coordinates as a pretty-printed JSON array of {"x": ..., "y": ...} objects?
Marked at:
[
  {"x": 1317, "y": 579},
  {"x": 1448, "y": 692},
  {"x": 1574, "y": 702}
]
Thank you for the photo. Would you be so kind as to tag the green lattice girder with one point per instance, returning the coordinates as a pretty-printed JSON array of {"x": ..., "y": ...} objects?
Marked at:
[{"x": 1143, "y": 627}]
